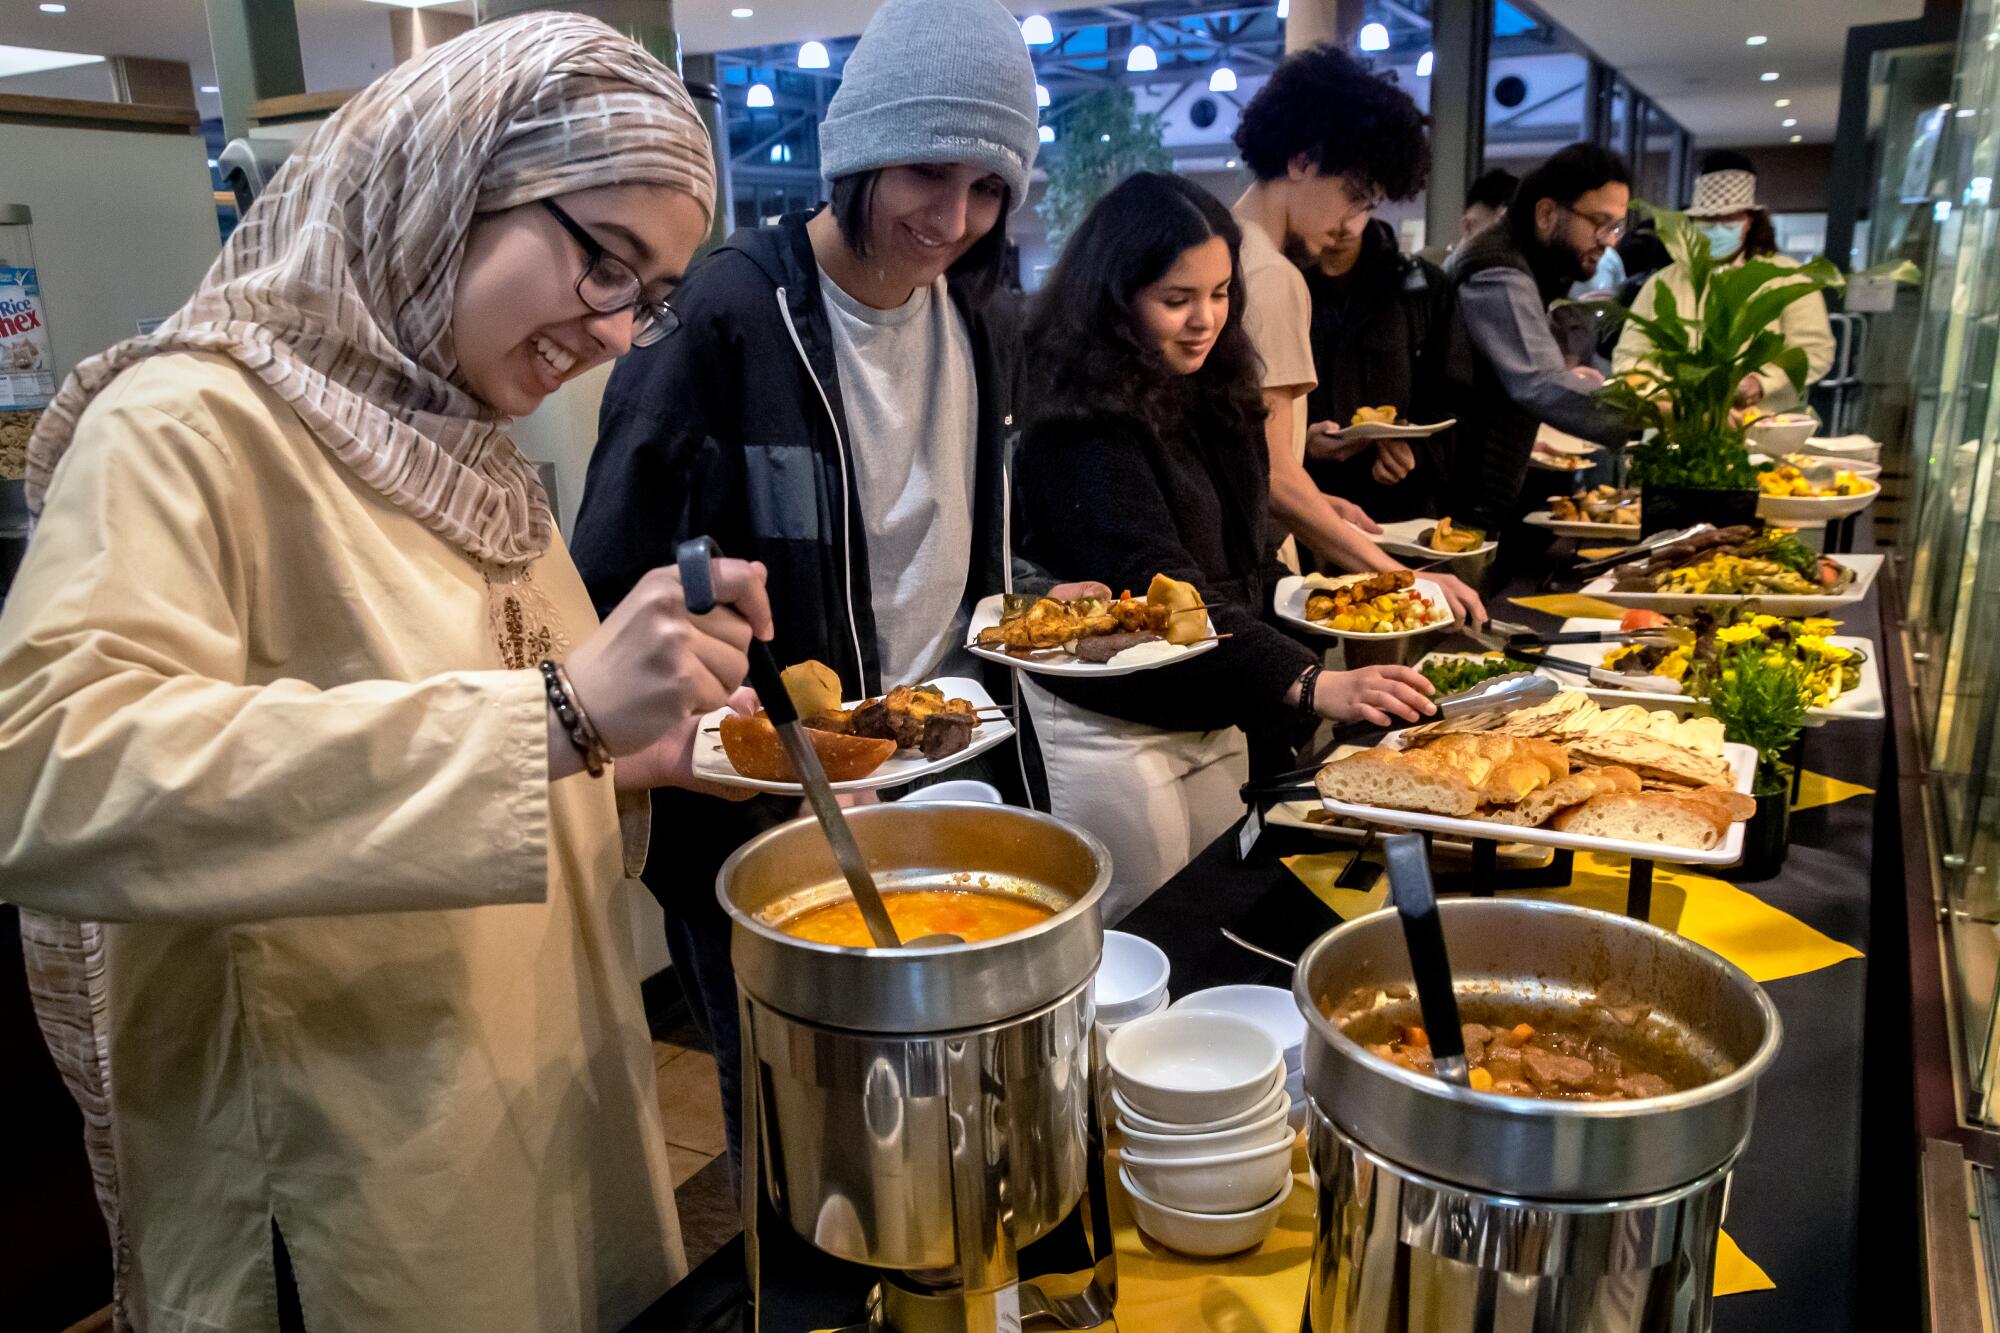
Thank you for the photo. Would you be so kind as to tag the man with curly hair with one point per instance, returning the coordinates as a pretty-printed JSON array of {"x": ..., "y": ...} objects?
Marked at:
[{"x": 1328, "y": 141}]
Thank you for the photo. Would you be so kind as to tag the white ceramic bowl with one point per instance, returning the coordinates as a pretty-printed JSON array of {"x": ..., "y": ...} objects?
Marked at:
[
  {"x": 1782, "y": 433},
  {"x": 959, "y": 789},
  {"x": 1131, "y": 979},
  {"x": 1101, "y": 1033},
  {"x": 1191, "y": 1066},
  {"x": 1259, "y": 1133},
  {"x": 1844, "y": 448},
  {"x": 1132, "y": 1119},
  {"x": 1271, "y": 1008},
  {"x": 1227, "y": 1183},
  {"x": 1204, "y": 1235}
]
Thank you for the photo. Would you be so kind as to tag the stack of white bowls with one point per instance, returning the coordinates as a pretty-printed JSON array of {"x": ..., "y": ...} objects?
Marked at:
[
  {"x": 1131, "y": 982},
  {"x": 1273, "y": 1009},
  {"x": 1207, "y": 1152}
]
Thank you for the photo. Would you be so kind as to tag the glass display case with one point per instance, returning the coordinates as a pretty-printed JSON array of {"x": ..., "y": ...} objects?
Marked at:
[{"x": 1934, "y": 204}]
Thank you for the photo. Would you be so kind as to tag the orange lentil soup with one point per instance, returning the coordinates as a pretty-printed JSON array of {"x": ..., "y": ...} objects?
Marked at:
[{"x": 962, "y": 912}]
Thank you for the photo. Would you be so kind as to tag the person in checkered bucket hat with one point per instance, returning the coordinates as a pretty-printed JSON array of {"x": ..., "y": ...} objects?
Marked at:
[{"x": 1726, "y": 211}]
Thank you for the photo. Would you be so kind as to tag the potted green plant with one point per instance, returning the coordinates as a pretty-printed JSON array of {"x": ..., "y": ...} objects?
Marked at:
[
  {"x": 1691, "y": 463},
  {"x": 1761, "y": 698}
]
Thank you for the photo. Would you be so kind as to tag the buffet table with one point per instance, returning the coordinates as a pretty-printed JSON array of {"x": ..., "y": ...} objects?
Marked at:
[{"x": 1796, "y": 1202}]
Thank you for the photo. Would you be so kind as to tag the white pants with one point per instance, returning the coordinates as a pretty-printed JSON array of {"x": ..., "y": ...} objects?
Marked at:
[{"x": 1155, "y": 798}]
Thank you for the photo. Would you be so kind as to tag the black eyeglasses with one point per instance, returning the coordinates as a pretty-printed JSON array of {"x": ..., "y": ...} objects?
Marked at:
[
  {"x": 608, "y": 285},
  {"x": 1608, "y": 233}
]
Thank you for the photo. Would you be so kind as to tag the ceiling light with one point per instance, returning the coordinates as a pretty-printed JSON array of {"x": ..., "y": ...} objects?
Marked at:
[
  {"x": 1798, "y": 138},
  {"x": 1231, "y": 164},
  {"x": 1223, "y": 80},
  {"x": 1769, "y": 76},
  {"x": 33, "y": 60},
  {"x": 1037, "y": 31},
  {"x": 1979, "y": 190},
  {"x": 759, "y": 96},
  {"x": 1041, "y": 95},
  {"x": 1789, "y": 121},
  {"x": 1425, "y": 63},
  {"x": 813, "y": 56},
  {"x": 741, "y": 13},
  {"x": 781, "y": 153},
  {"x": 1284, "y": 9},
  {"x": 1047, "y": 134},
  {"x": 53, "y": 8},
  {"x": 210, "y": 88},
  {"x": 1374, "y": 37},
  {"x": 1104, "y": 138},
  {"x": 1755, "y": 41},
  {"x": 1782, "y": 103},
  {"x": 1143, "y": 60}
]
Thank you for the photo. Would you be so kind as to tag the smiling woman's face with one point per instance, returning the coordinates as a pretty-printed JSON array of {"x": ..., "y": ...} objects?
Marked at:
[
  {"x": 1184, "y": 311},
  {"x": 518, "y": 327}
]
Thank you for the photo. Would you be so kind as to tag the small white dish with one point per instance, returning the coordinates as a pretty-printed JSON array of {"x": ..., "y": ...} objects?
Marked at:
[
  {"x": 1193, "y": 1066},
  {"x": 1271, "y": 1008},
  {"x": 959, "y": 789},
  {"x": 1203, "y": 1235},
  {"x": 1781, "y": 434},
  {"x": 1225, "y": 1183},
  {"x": 1133, "y": 1119},
  {"x": 1131, "y": 978},
  {"x": 1259, "y": 1133}
]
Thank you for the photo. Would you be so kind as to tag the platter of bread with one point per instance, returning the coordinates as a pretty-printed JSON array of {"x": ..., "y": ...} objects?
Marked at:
[
  {"x": 863, "y": 744},
  {"x": 1626, "y": 781}
]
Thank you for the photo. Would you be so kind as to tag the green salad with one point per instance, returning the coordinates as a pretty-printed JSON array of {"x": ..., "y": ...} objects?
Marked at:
[{"x": 1449, "y": 675}]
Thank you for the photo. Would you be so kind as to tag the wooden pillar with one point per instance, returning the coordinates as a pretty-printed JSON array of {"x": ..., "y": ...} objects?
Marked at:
[{"x": 1461, "y": 39}]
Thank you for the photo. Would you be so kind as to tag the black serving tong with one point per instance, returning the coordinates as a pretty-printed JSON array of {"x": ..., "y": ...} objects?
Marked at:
[
  {"x": 1518, "y": 689},
  {"x": 1652, "y": 545},
  {"x": 1415, "y": 899}
]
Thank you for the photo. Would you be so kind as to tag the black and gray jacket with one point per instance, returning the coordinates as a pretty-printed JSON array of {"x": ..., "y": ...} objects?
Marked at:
[{"x": 732, "y": 427}]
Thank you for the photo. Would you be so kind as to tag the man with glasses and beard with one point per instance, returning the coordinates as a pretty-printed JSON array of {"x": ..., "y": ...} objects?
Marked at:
[{"x": 1563, "y": 217}]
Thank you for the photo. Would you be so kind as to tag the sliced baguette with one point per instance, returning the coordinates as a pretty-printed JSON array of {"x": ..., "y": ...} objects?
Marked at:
[
  {"x": 1661, "y": 818},
  {"x": 1392, "y": 781}
]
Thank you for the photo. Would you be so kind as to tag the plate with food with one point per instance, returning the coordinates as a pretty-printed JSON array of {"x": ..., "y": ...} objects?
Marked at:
[
  {"x": 1601, "y": 511},
  {"x": 1840, "y": 668},
  {"x": 1820, "y": 490},
  {"x": 1312, "y": 817},
  {"x": 863, "y": 744},
  {"x": 1093, "y": 636},
  {"x": 1569, "y": 773},
  {"x": 1454, "y": 673},
  {"x": 1736, "y": 564},
  {"x": 1549, "y": 460},
  {"x": 1428, "y": 538},
  {"x": 1384, "y": 423},
  {"x": 1386, "y": 604}
]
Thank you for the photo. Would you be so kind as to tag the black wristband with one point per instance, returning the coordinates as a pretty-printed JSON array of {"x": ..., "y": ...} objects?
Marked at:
[{"x": 1307, "y": 683}]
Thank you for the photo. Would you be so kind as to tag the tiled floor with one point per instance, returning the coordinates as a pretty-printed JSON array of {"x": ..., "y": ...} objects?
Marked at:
[{"x": 691, "y": 1105}]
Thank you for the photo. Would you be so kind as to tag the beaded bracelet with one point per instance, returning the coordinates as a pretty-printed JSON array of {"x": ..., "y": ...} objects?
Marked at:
[
  {"x": 1308, "y": 682},
  {"x": 575, "y": 724}
]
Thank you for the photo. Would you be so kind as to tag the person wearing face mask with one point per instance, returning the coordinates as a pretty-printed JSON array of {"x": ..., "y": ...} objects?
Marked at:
[
  {"x": 1145, "y": 455},
  {"x": 834, "y": 404},
  {"x": 312, "y": 747},
  {"x": 1328, "y": 141},
  {"x": 1725, "y": 210},
  {"x": 1564, "y": 214}
]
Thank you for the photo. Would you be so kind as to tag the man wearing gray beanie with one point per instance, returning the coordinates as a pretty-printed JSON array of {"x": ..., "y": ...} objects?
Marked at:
[{"x": 835, "y": 403}]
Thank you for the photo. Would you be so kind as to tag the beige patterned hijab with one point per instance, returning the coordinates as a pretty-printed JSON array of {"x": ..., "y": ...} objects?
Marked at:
[{"x": 336, "y": 290}]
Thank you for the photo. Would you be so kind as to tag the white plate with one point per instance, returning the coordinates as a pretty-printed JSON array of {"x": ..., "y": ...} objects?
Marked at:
[
  {"x": 1865, "y": 568},
  {"x": 1292, "y": 815},
  {"x": 987, "y": 614},
  {"x": 1554, "y": 441},
  {"x": 1290, "y": 602},
  {"x": 1798, "y": 458},
  {"x": 711, "y": 764},
  {"x": 1864, "y": 702},
  {"x": 1565, "y": 527},
  {"x": 1375, "y": 430},
  {"x": 1802, "y": 508},
  {"x": 1782, "y": 433},
  {"x": 1557, "y": 462},
  {"x": 1742, "y": 759},
  {"x": 1405, "y": 538},
  {"x": 1846, "y": 448}
]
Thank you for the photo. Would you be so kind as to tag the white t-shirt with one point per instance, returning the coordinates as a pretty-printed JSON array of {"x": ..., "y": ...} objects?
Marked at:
[{"x": 912, "y": 406}]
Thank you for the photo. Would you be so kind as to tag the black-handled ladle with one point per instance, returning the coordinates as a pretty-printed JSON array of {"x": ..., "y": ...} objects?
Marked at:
[
  {"x": 698, "y": 588},
  {"x": 1423, "y": 934}
]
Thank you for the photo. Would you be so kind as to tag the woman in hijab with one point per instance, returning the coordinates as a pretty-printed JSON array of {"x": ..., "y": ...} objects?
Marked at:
[{"x": 310, "y": 741}]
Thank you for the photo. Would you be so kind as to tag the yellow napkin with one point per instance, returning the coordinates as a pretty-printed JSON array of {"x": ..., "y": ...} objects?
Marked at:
[
  {"x": 1572, "y": 606},
  {"x": 1817, "y": 789},
  {"x": 1318, "y": 871},
  {"x": 1735, "y": 1271}
]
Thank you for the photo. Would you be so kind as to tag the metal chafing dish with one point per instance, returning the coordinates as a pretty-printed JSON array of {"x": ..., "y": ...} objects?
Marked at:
[{"x": 1451, "y": 1210}]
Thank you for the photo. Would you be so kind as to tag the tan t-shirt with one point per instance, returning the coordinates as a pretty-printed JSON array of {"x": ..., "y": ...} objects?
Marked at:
[{"x": 1277, "y": 314}]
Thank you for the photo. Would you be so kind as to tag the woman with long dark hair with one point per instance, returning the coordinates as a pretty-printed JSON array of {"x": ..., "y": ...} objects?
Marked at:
[{"x": 1145, "y": 455}]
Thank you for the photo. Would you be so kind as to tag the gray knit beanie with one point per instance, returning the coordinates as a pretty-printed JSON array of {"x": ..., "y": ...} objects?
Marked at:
[{"x": 935, "y": 81}]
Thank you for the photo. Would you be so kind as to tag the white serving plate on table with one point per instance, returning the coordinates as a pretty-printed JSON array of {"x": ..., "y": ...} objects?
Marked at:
[
  {"x": 987, "y": 614},
  {"x": 712, "y": 765},
  {"x": 1406, "y": 538},
  {"x": 1564, "y": 527},
  {"x": 1862, "y": 703},
  {"x": 1290, "y": 602},
  {"x": 1741, "y": 758},
  {"x": 1843, "y": 448},
  {"x": 1865, "y": 568},
  {"x": 1816, "y": 508},
  {"x": 1376, "y": 430}
]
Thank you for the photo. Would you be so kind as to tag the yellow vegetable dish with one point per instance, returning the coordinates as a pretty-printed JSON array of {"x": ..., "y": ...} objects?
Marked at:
[
  {"x": 1789, "y": 481},
  {"x": 1374, "y": 416},
  {"x": 1384, "y": 603}
]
